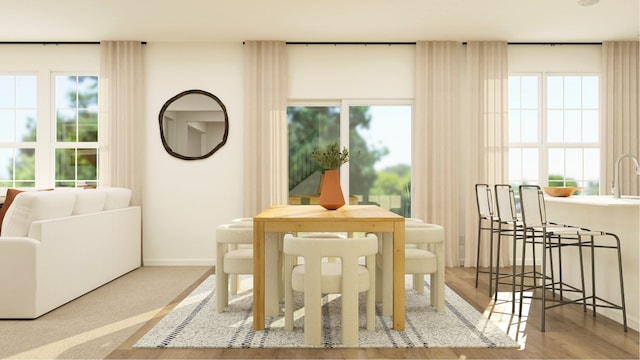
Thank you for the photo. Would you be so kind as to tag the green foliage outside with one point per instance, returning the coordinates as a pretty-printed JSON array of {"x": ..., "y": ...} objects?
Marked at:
[
  {"x": 392, "y": 180},
  {"x": 362, "y": 173},
  {"x": 313, "y": 127},
  {"x": 591, "y": 188},
  {"x": 330, "y": 157}
]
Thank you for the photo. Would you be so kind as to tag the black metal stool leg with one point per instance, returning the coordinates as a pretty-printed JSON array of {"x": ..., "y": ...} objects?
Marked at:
[
  {"x": 584, "y": 298},
  {"x": 478, "y": 251},
  {"x": 624, "y": 306}
]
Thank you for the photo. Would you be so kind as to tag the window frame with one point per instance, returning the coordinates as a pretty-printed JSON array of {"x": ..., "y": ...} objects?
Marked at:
[{"x": 543, "y": 145}]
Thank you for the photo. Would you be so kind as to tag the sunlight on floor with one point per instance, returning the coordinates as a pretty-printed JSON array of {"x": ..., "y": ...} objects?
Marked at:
[
  {"x": 56, "y": 349},
  {"x": 503, "y": 314}
]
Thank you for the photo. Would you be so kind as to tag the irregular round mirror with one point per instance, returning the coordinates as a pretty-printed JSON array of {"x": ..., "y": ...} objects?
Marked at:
[{"x": 193, "y": 125}]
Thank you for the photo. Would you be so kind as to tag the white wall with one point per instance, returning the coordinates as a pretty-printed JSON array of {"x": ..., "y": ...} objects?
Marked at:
[
  {"x": 351, "y": 71},
  {"x": 184, "y": 201},
  {"x": 556, "y": 58}
]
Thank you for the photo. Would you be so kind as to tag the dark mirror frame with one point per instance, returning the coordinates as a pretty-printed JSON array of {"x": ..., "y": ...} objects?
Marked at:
[{"x": 180, "y": 95}]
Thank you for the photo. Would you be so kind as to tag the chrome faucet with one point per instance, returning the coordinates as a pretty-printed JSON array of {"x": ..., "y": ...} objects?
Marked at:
[{"x": 616, "y": 173}]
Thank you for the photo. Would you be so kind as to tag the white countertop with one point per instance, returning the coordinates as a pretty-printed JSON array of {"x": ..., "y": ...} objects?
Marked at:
[{"x": 597, "y": 200}]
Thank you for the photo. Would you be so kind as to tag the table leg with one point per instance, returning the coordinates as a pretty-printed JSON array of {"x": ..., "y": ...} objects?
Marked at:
[
  {"x": 258, "y": 275},
  {"x": 387, "y": 274},
  {"x": 272, "y": 273},
  {"x": 398, "y": 275}
]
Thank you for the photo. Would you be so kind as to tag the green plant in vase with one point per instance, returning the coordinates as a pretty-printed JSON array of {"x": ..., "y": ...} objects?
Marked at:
[{"x": 331, "y": 158}]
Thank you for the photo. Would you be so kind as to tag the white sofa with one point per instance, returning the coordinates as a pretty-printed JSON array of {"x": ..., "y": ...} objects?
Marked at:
[{"x": 58, "y": 245}]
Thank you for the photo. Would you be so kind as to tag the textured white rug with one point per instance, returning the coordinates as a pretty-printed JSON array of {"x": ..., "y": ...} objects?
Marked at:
[{"x": 194, "y": 323}]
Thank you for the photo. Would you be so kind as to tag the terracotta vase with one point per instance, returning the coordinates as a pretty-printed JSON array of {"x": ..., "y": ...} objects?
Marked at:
[{"x": 331, "y": 197}]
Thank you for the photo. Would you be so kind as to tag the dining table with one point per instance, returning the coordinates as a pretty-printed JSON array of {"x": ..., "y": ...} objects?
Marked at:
[{"x": 269, "y": 228}]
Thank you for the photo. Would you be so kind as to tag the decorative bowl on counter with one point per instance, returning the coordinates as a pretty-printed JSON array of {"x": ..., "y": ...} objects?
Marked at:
[{"x": 560, "y": 191}]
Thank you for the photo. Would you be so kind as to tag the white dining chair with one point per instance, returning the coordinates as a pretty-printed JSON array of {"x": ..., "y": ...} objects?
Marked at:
[
  {"x": 234, "y": 256},
  {"x": 234, "y": 279},
  {"x": 315, "y": 277},
  {"x": 424, "y": 254}
]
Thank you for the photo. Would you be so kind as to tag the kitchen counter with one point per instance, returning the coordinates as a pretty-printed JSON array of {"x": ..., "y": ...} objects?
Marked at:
[
  {"x": 597, "y": 200},
  {"x": 618, "y": 216}
]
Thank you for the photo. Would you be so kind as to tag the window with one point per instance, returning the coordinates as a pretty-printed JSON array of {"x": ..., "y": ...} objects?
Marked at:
[
  {"x": 76, "y": 144},
  {"x": 554, "y": 130},
  {"x": 379, "y": 132},
  {"x": 35, "y": 152},
  {"x": 18, "y": 123}
]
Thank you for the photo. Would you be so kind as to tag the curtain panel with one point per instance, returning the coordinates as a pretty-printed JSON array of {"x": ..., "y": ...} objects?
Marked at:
[
  {"x": 619, "y": 114},
  {"x": 435, "y": 140},
  {"x": 486, "y": 137},
  {"x": 121, "y": 121},
  {"x": 265, "y": 126}
]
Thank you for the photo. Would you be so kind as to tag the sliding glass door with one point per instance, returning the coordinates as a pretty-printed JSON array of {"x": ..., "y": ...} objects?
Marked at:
[{"x": 378, "y": 136}]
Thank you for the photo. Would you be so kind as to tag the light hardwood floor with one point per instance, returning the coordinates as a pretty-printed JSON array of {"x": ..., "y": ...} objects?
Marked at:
[{"x": 571, "y": 334}]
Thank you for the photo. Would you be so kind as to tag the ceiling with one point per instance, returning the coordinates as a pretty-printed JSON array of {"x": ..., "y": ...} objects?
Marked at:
[{"x": 318, "y": 21}]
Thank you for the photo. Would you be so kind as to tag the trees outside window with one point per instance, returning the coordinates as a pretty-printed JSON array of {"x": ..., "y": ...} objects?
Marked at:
[{"x": 378, "y": 137}]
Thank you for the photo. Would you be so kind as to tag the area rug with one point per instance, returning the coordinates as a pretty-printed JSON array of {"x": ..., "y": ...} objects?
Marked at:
[{"x": 194, "y": 323}]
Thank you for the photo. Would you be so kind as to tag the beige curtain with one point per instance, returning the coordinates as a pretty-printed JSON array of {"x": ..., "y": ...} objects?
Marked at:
[
  {"x": 120, "y": 115},
  {"x": 435, "y": 140},
  {"x": 265, "y": 126},
  {"x": 619, "y": 114},
  {"x": 485, "y": 134}
]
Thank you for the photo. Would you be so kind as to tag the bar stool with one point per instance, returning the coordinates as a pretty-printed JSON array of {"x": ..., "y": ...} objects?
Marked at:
[
  {"x": 558, "y": 236},
  {"x": 509, "y": 225},
  {"x": 487, "y": 222}
]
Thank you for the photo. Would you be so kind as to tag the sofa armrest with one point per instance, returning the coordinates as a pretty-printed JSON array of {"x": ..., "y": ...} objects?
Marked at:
[{"x": 18, "y": 257}]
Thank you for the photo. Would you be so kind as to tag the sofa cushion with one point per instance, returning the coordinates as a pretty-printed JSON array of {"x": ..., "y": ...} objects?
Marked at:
[
  {"x": 11, "y": 194},
  {"x": 89, "y": 201},
  {"x": 117, "y": 198},
  {"x": 30, "y": 206}
]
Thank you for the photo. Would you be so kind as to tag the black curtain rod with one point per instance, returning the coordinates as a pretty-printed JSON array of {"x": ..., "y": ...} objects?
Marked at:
[
  {"x": 347, "y": 43},
  {"x": 553, "y": 43},
  {"x": 295, "y": 43},
  {"x": 413, "y": 43},
  {"x": 54, "y": 42}
]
